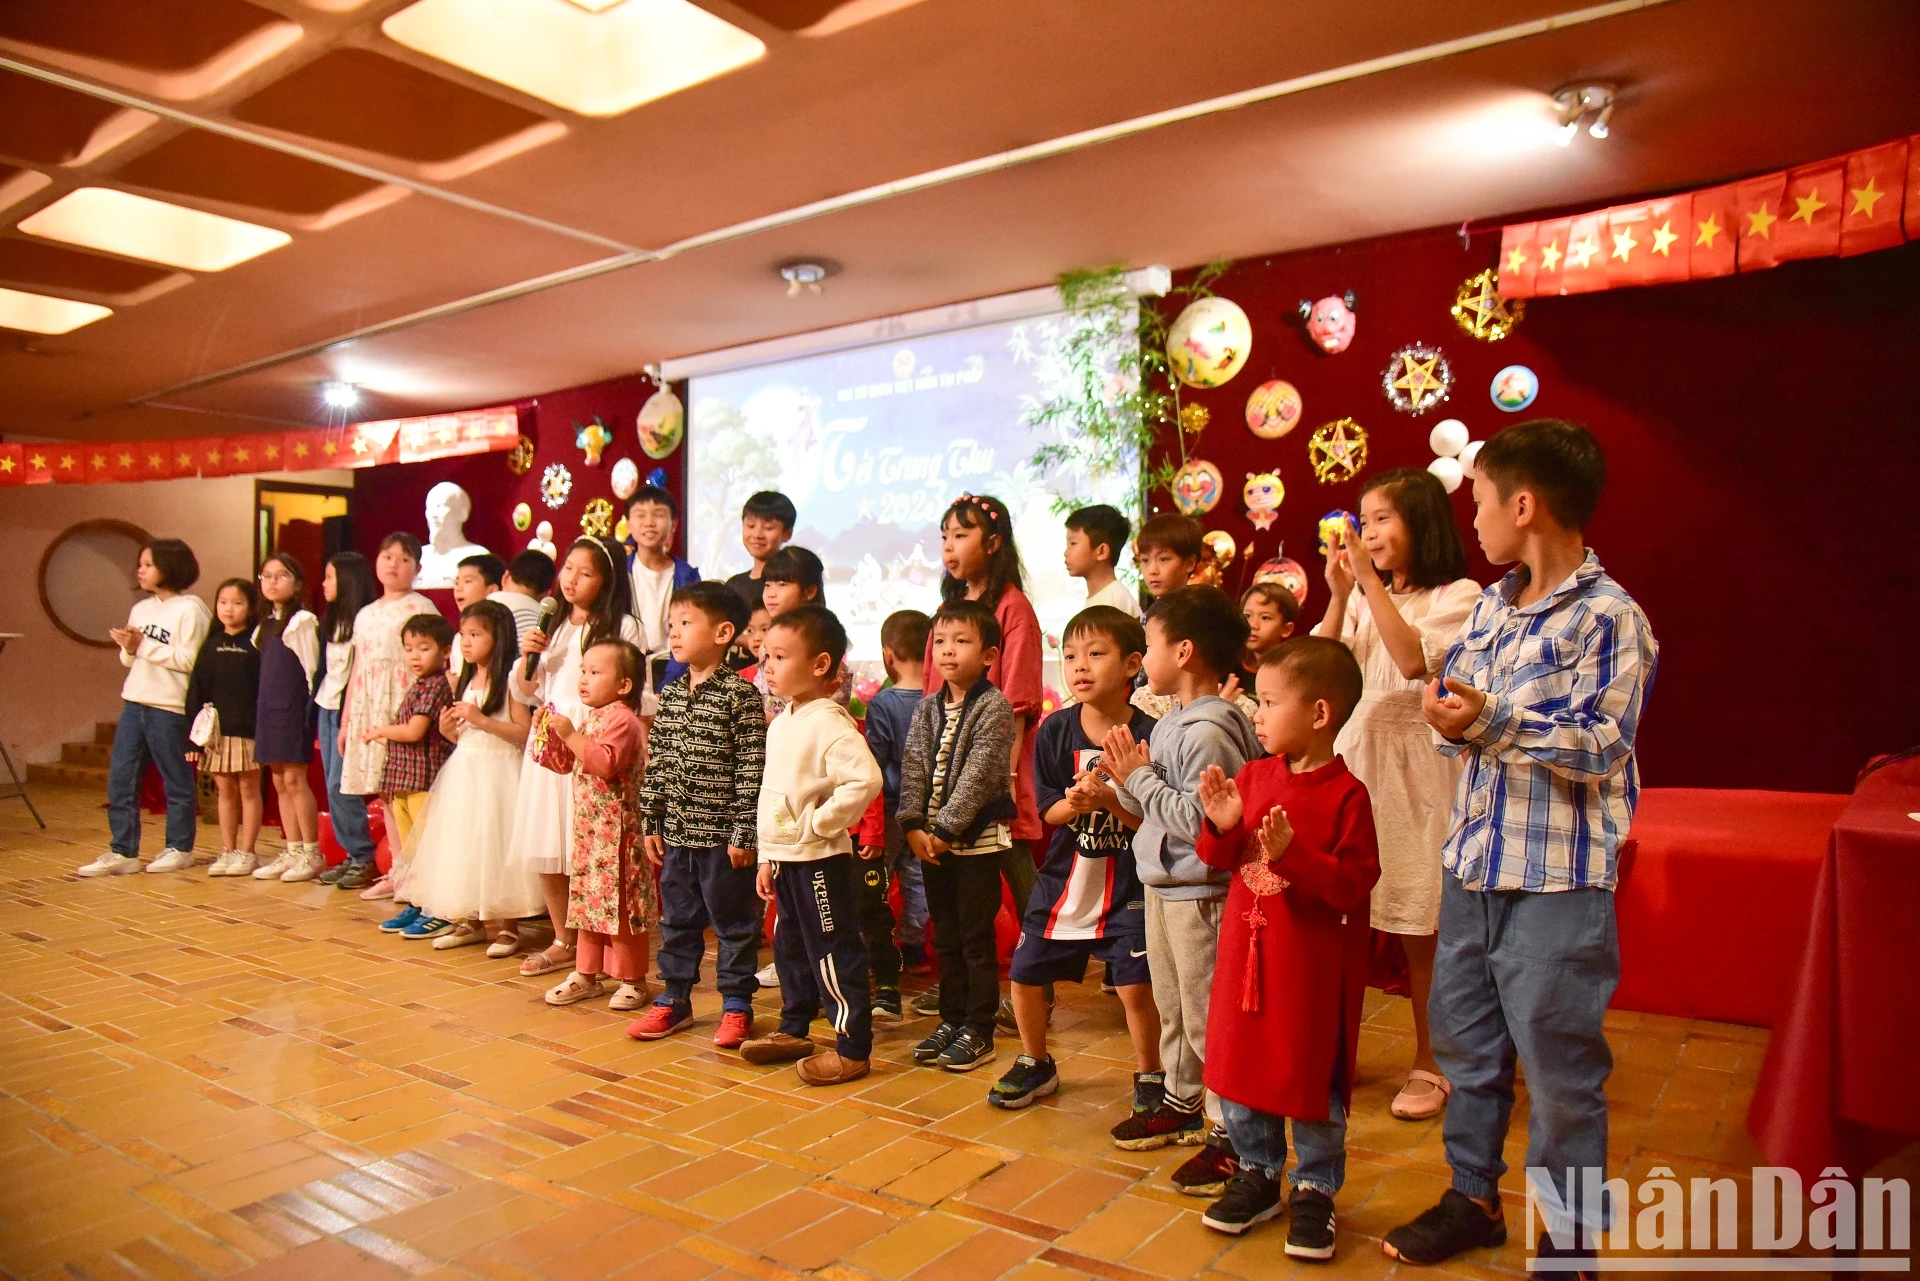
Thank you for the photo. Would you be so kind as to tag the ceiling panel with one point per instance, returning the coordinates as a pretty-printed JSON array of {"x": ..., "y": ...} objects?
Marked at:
[
  {"x": 148, "y": 35},
  {"x": 36, "y": 264},
  {"x": 45, "y": 124},
  {"x": 213, "y": 167}
]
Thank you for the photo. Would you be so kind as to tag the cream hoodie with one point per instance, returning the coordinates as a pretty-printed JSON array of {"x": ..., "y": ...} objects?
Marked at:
[
  {"x": 172, "y": 630},
  {"x": 819, "y": 780}
]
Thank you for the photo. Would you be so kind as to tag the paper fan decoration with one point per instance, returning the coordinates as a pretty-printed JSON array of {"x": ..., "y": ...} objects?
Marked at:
[
  {"x": 1337, "y": 451},
  {"x": 556, "y": 485},
  {"x": 1417, "y": 378}
]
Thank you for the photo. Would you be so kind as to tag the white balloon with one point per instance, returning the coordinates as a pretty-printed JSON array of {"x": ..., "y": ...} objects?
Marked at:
[
  {"x": 1468, "y": 453},
  {"x": 1448, "y": 437},
  {"x": 1448, "y": 470}
]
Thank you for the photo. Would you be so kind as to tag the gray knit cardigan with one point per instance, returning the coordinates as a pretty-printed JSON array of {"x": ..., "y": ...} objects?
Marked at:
[{"x": 977, "y": 790}]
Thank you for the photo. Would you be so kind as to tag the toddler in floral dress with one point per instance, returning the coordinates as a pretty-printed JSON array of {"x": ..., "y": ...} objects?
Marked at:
[{"x": 611, "y": 896}]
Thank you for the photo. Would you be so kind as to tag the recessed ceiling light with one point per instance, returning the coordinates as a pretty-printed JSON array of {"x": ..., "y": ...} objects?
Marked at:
[
  {"x": 339, "y": 395},
  {"x": 137, "y": 227},
  {"x": 39, "y": 314},
  {"x": 594, "y": 57}
]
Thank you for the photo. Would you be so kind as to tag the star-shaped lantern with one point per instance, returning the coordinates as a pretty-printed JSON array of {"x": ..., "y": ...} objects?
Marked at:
[
  {"x": 1417, "y": 378},
  {"x": 1482, "y": 312}
]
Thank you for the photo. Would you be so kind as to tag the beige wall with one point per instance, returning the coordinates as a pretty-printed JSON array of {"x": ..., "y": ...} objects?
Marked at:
[{"x": 52, "y": 689}]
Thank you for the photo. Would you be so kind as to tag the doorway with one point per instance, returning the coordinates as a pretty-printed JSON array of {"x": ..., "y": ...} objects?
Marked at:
[{"x": 308, "y": 522}]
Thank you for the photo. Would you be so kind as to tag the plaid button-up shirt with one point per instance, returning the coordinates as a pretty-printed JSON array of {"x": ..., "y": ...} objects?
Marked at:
[
  {"x": 707, "y": 748},
  {"x": 1551, "y": 779},
  {"x": 412, "y": 767}
]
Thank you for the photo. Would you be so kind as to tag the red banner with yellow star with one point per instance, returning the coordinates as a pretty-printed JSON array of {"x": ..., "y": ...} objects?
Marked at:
[
  {"x": 1852, "y": 204},
  {"x": 393, "y": 440}
]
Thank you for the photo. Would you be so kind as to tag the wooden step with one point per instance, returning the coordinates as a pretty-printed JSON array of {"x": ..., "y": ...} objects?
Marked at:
[
  {"x": 86, "y": 754},
  {"x": 103, "y": 731},
  {"x": 65, "y": 775}
]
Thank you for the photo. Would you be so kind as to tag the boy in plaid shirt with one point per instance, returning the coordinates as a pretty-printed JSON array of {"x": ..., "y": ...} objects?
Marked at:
[
  {"x": 416, "y": 749},
  {"x": 700, "y": 810}
]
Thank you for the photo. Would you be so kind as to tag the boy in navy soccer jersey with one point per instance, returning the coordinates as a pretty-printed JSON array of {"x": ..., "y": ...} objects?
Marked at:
[{"x": 1087, "y": 899}]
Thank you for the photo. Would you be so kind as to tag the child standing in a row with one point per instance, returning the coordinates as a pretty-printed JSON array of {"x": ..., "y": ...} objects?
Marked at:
[
  {"x": 226, "y": 678},
  {"x": 288, "y": 639}
]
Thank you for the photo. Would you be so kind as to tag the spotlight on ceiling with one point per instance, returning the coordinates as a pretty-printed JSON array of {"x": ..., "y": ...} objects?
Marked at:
[
  {"x": 806, "y": 275},
  {"x": 1575, "y": 103},
  {"x": 340, "y": 395}
]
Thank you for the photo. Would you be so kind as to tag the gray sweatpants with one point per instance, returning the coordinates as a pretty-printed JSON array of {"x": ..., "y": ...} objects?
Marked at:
[{"x": 1183, "y": 936}]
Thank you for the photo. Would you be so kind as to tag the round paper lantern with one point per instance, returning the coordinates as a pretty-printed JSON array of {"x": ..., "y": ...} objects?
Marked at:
[
  {"x": 625, "y": 477},
  {"x": 1288, "y": 573},
  {"x": 1468, "y": 454},
  {"x": 1448, "y": 470},
  {"x": 522, "y": 517},
  {"x": 1448, "y": 437},
  {"x": 662, "y": 424},
  {"x": 1514, "y": 388},
  {"x": 1273, "y": 409},
  {"x": 1209, "y": 342},
  {"x": 1196, "y": 488},
  {"x": 1263, "y": 493}
]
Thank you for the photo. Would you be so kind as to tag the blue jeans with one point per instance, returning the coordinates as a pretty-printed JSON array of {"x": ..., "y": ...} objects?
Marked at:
[
  {"x": 1319, "y": 1147},
  {"x": 698, "y": 888},
  {"x": 913, "y": 897},
  {"x": 158, "y": 735},
  {"x": 348, "y": 814},
  {"x": 1525, "y": 976}
]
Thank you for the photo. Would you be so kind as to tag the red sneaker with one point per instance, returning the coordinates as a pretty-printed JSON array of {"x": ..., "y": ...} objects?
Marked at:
[
  {"x": 660, "y": 1020},
  {"x": 735, "y": 1027}
]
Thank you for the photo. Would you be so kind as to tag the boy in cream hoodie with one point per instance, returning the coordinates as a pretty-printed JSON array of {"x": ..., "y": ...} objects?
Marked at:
[{"x": 819, "y": 780}]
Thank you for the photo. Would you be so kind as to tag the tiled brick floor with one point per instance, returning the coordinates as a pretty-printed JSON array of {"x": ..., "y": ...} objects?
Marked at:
[{"x": 213, "y": 1077}]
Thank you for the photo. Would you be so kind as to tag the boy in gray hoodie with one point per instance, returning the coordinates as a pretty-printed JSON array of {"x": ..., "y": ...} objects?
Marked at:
[{"x": 1195, "y": 636}]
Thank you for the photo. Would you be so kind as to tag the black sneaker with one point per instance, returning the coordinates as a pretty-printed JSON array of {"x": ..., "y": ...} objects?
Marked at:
[
  {"x": 928, "y": 1002},
  {"x": 968, "y": 1051},
  {"x": 1251, "y": 1197},
  {"x": 359, "y": 874},
  {"x": 886, "y": 1004},
  {"x": 1003, "y": 1017},
  {"x": 1149, "y": 1091},
  {"x": 1028, "y": 1079},
  {"x": 332, "y": 875},
  {"x": 1206, "y": 1172},
  {"x": 1145, "y": 1131},
  {"x": 1577, "y": 1260},
  {"x": 936, "y": 1045},
  {"x": 1309, "y": 1225},
  {"x": 1455, "y": 1225}
]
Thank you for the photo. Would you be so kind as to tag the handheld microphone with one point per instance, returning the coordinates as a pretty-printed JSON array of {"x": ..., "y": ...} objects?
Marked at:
[{"x": 549, "y": 615}]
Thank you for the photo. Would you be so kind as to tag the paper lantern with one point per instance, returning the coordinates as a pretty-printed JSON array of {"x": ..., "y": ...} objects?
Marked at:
[
  {"x": 1274, "y": 409},
  {"x": 1468, "y": 454},
  {"x": 1449, "y": 472},
  {"x": 1196, "y": 488},
  {"x": 625, "y": 477},
  {"x": 1514, "y": 388},
  {"x": 1288, "y": 573},
  {"x": 1209, "y": 342},
  {"x": 662, "y": 424},
  {"x": 1263, "y": 494},
  {"x": 1333, "y": 527},
  {"x": 1448, "y": 437}
]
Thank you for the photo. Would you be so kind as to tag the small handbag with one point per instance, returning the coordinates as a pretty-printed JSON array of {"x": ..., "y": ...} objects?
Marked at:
[
  {"x": 549, "y": 750},
  {"x": 205, "y": 730}
]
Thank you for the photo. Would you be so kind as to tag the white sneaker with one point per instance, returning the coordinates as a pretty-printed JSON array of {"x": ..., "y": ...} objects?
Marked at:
[
  {"x": 768, "y": 976},
  {"x": 172, "y": 860},
  {"x": 219, "y": 865},
  {"x": 242, "y": 863},
  {"x": 110, "y": 864},
  {"x": 271, "y": 871},
  {"x": 308, "y": 863}
]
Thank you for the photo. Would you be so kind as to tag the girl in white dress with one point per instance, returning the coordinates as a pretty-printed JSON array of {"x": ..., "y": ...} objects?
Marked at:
[
  {"x": 599, "y": 600},
  {"x": 461, "y": 869},
  {"x": 1399, "y": 595},
  {"x": 379, "y": 678}
]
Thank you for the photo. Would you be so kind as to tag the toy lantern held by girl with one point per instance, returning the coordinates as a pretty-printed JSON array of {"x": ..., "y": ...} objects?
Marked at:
[{"x": 1330, "y": 322}]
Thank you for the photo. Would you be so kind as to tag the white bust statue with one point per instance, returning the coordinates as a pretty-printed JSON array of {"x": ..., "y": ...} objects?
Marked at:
[{"x": 448, "y": 507}]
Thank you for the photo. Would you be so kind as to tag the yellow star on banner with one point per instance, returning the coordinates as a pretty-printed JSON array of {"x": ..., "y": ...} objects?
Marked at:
[
  {"x": 1810, "y": 204},
  {"x": 156, "y": 461},
  {"x": 1865, "y": 198},
  {"x": 273, "y": 453},
  {"x": 1516, "y": 258},
  {"x": 1760, "y": 222},
  {"x": 1550, "y": 256},
  {"x": 299, "y": 449},
  {"x": 241, "y": 455},
  {"x": 66, "y": 462},
  {"x": 359, "y": 444},
  {"x": 329, "y": 449},
  {"x": 126, "y": 460},
  {"x": 1663, "y": 238},
  {"x": 1623, "y": 244},
  {"x": 99, "y": 462},
  {"x": 186, "y": 461},
  {"x": 1708, "y": 230},
  {"x": 213, "y": 458},
  {"x": 38, "y": 462},
  {"x": 7, "y": 464},
  {"x": 1582, "y": 254}
]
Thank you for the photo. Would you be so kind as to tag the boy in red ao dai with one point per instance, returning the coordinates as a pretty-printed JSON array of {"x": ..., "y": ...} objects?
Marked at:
[{"x": 1283, "y": 1024}]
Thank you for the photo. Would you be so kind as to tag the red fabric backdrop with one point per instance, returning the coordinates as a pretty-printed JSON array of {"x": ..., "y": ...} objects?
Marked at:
[{"x": 1763, "y": 434}]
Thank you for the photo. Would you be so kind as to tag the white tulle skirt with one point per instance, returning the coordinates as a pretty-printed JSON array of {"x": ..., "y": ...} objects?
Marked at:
[{"x": 463, "y": 867}]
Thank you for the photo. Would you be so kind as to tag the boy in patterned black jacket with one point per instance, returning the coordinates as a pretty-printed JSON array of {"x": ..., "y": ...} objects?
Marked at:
[{"x": 700, "y": 804}]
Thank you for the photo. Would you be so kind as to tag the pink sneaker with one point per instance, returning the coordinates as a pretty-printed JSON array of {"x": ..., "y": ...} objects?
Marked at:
[{"x": 382, "y": 888}]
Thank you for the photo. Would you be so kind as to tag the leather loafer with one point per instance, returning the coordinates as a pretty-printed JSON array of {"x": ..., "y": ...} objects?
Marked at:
[
  {"x": 828, "y": 1068},
  {"x": 776, "y": 1048}
]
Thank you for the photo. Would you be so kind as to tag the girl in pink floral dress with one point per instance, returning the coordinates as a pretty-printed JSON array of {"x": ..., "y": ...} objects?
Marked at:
[{"x": 611, "y": 896}]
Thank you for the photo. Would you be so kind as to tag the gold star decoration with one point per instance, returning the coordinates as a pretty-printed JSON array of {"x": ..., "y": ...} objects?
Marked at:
[
  {"x": 99, "y": 462},
  {"x": 273, "y": 453},
  {"x": 1516, "y": 258},
  {"x": 185, "y": 461},
  {"x": 1417, "y": 378},
  {"x": 1581, "y": 254},
  {"x": 1864, "y": 199},
  {"x": 1760, "y": 222},
  {"x": 1624, "y": 244},
  {"x": 520, "y": 457},
  {"x": 241, "y": 455},
  {"x": 1337, "y": 451},
  {"x": 67, "y": 462},
  {"x": 1810, "y": 204},
  {"x": 1550, "y": 256},
  {"x": 1194, "y": 419},
  {"x": 300, "y": 449},
  {"x": 38, "y": 462},
  {"x": 359, "y": 444},
  {"x": 7, "y": 464},
  {"x": 1663, "y": 238},
  {"x": 1482, "y": 312},
  {"x": 213, "y": 458},
  {"x": 329, "y": 449},
  {"x": 156, "y": 461},
  {"x": 126, "y": 460},
  {"x": 1709, "y": 230}
]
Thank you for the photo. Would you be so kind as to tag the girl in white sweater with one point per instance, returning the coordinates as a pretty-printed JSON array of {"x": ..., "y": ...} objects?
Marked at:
[{"x": 157, "y": 647}]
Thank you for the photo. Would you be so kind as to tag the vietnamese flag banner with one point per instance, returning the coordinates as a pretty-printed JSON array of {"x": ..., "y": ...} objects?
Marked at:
[
  {"x": 13, "y": 467},
  {"x": 476, "y": 431},
  {"x": 111, "y": 464},
  {"x": 1853, "y": 204}
]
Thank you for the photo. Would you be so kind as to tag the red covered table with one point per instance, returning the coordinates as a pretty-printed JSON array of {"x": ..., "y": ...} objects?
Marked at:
[
  {"x": 1837, "y": 1087},
  {"x": 1713, "y": 899}
]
